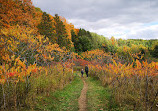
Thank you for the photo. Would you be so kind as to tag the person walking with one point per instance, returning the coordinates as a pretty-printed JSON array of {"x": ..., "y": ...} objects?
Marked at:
[
  {"x": 86, "y": 70},
  {"x": 82, "y": 72}
]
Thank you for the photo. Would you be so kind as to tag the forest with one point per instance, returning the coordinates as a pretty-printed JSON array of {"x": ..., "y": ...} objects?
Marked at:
[{"x": 39, "y": 54}]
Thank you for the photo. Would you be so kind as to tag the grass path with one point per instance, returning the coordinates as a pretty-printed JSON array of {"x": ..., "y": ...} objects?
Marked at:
[
  {"x": 82, "y": 101},
  {"x": 99, "y": 97},
  {"x": 83, "y": 94},
  {"x": 62, "y": 100},
  {"x": 95, "y": 97}
]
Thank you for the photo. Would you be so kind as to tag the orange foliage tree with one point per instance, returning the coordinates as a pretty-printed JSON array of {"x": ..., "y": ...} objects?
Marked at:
[{"x": 14, "y": 12}]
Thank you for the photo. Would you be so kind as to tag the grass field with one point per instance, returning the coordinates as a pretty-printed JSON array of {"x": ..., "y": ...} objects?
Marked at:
[
  {"x": 62, "y": 100},
  {"x": 99, "y": 97}
]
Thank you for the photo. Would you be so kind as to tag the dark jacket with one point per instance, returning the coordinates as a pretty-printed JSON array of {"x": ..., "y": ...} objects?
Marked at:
[
  {"x": 82, "y": 71},
  {"x": 86, "y": 69}
]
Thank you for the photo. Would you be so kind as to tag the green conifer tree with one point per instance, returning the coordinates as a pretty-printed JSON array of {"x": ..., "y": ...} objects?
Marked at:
[
  {"x": 46, "y": 27},
  {"x": 61, "y": 33}
]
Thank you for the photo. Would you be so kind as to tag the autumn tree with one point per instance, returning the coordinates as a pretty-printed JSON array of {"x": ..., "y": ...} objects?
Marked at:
[
  {"x": 61, "y": 34},
  {"x": 98, "y": 40},
  {"x": 155, "y": 51},
  {"x": 13, "y": 12},
  {"x": 74, "y": 39},
  {"x": 46, "y": 27},
  {"x": 82, "y": 41}
]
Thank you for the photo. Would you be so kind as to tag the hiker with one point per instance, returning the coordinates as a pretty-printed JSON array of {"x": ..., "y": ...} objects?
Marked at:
[
  {"x": 86, "y": 70},
  {"x": 82, "y": 72}
]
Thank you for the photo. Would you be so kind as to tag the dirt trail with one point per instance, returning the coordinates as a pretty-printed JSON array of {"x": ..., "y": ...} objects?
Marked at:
[{"x": 82, "y": 101}]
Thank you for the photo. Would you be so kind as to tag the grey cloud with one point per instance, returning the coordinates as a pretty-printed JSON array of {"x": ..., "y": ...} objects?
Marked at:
[
  {"x": 102, "y": 14},
  {"x": 145, "y": 34},
  {"x": 93, "y": 10}
]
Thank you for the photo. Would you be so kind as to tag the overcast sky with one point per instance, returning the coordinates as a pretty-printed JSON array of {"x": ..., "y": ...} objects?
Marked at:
[{"x": 126, "y": 19}]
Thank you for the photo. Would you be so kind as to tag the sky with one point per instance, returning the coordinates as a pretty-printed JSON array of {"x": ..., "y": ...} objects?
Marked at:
[{"x": 126, "y": 19}]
